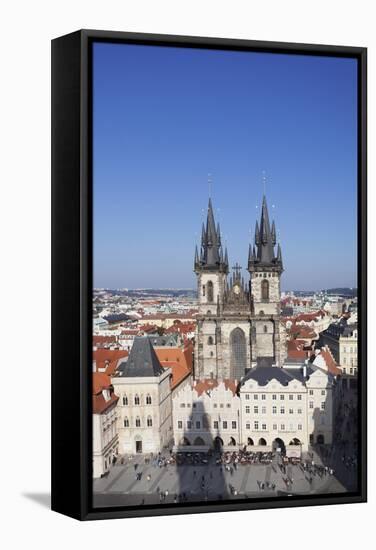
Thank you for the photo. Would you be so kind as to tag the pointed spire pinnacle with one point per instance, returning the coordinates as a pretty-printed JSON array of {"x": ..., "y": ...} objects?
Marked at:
[
  {"x": 225, "y": 263},
  {"x": 265, "y": 225},
  {"x": 211, "y": 249},
  {"x": 203, "y": 235},
  {"x": 257, "y": 234},
  {"x": 263, "y": 253},
  {"x": 279, "y": 255},
  {"x": 196, "y": 257},
  {"x": 211, "y": 233},
  {"x": 251, "y": 257},
  {"x": 274, "y": 240}
]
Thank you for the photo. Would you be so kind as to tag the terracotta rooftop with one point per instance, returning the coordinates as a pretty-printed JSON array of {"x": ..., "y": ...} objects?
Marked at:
[
  {"x": 179, "y": 360},
  {"x": 207, "y": 384},
  {"x": 101, "y": 381},
  {"x": 108, "y": 359}
]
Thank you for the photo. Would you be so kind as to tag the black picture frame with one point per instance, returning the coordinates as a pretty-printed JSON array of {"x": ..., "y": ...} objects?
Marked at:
[{"x": 72, "y": 278}]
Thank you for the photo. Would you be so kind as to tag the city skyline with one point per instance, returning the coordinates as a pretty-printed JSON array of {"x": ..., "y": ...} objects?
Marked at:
[{"x": 152, "y": 156}]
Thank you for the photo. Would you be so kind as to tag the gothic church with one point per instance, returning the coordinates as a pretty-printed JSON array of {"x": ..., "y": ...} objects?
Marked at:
[{"x": 238, "y": 324}]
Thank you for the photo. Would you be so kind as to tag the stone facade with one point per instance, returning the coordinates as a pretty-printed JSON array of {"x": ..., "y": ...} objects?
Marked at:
[{"x": 238, "y": 324}]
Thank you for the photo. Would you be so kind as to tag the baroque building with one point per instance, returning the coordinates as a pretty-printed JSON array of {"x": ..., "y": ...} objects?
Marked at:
[{"x": 238, "y": 325}]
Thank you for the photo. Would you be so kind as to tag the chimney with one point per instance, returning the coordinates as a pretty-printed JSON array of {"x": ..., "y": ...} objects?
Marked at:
[
  {"x": 305, "y": 369},
  {"x": 94, "y": 366}
]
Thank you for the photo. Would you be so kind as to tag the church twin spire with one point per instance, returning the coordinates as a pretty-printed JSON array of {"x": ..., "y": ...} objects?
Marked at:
[
  {"x": 211, "y": 256},
  {"x": 262, "y": 254}
]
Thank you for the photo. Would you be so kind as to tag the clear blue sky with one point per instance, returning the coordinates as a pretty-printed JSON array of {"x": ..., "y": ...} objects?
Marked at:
[{"x": 166, "y": 117}]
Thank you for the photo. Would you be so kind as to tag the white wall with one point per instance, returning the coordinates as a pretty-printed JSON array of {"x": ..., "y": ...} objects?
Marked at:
[{"x": 25, "y": 177}]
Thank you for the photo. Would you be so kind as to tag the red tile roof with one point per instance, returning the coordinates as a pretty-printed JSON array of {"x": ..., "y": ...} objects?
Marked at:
[
  {"x": 99, "y": 340},
  {"x": 101, "y": 381},
  {"x": 108, "y": 358},
  {"x": 207, "y": 384},
  {"x": 330, "y": 361},
  {"x": 179, "y": 360}
]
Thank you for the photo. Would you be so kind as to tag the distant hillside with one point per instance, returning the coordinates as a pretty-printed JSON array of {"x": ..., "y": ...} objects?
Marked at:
[{"x": 345, "y": 292}]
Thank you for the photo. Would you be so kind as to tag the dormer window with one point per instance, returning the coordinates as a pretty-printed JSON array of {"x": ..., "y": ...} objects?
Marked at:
[{"x": 106, "y": 395}]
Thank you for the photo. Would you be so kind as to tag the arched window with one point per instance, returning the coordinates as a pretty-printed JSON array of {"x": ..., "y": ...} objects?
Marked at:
[
  {"x": 238, "y": 353},
  {"x": 149, "y": 421},
  {"x": 265, "y": 328},
  {"x": 148, "y": 399},
  {"x": 210, "y": 340},
  {"x": 210, "y": 291},
  {"x": 126, "y": 422},
  {"x": 138, "y": 422},
  {"x": 125, "y": 400},
  {"x": 136, "y": 400},
  {"x": 265, "y": 290}
]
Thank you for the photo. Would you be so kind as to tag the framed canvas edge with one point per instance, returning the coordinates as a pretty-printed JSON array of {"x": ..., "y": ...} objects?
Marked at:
[{"x": 84, "y": 509}]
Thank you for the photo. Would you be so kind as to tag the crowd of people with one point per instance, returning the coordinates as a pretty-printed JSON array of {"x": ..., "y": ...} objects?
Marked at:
[{"x": 230, "y": 462}]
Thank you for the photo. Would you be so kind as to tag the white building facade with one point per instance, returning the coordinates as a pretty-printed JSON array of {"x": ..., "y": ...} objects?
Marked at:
[
  {"x": 144, "y": 409},
  {"x": 272, "y": 408}
]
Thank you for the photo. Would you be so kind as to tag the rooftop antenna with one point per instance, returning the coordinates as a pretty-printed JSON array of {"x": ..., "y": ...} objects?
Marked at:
[
  {"x": 210, "y": 181},
  {"x": 264, "y": 181}
]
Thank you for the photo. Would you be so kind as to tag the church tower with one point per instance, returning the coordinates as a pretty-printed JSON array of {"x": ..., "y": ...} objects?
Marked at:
[
  {"x": 265, "y": 268},
  {"x": 211, "y": 268}
]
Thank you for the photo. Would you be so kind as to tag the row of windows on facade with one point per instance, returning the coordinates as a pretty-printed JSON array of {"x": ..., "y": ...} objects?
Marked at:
[
  {"x": 281, "y": 396},
  {"x": 137, "y": 400},
  {"x": 198, "y": 424},
  {"x": 255, "y": 397},
  {"x": 282, "y": 410},
  {"x": 264, "y": 427},
  {"x": 215, "y": 405},
  {"x": 225, "y": 425},
  {"x": 352, "y": 370},
  {"x": 273, "y": 274},
  {"x": 138, "y": 423},
  {"x": 274, "y": 410},
  {"x": 208, "y": 289},
  {"x": 350, "y": 350},
  {"x": 353, "y": 362}
]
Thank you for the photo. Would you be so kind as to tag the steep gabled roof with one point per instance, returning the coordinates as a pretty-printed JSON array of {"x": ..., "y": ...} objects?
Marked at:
[{"x": 142, "y": 360}]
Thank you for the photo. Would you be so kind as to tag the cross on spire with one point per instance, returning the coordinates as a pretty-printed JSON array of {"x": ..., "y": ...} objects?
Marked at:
[{"x": 237, "y": 269}]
